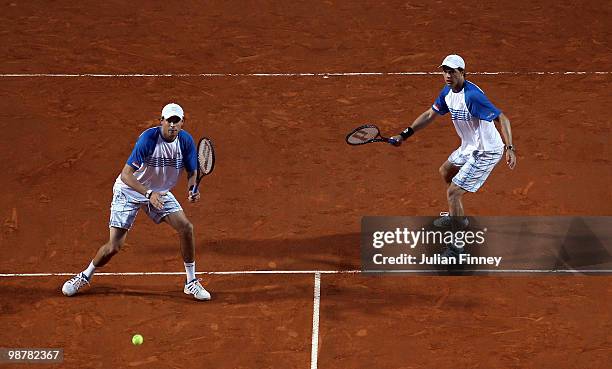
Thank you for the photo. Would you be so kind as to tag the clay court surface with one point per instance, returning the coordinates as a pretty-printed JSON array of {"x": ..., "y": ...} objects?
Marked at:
[{"x": 287, "y": 193}]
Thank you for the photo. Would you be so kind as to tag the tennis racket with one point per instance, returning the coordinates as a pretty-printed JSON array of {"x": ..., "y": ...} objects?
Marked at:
[
  {"x": 367, "y": 134},
  {"x": 206, "y": 160}
]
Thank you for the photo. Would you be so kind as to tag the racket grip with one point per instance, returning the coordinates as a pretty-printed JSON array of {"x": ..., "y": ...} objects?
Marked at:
[{"x": 393, "y": 141}]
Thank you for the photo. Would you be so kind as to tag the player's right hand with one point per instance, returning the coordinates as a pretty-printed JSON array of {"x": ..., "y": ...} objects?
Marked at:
[
  {"x": 396, "y": 140},
  {"x": 193, "y": 197},
  {"x": 156, "y": 200}
]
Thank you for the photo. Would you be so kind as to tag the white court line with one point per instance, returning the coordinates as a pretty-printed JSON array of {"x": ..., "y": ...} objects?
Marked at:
[
  {"x": 235, "y": 272},
  {"x": 314, "y": 350},
  {"x": 319, "y": 74}
]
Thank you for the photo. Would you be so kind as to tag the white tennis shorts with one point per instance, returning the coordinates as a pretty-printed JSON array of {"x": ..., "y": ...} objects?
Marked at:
[
  {"x": 124, "y": 209},
  {"x": 475, "y": 167}
]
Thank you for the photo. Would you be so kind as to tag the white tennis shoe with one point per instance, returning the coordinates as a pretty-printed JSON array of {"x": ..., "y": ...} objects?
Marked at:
[
  {"x": 195, "y": 288},
  {"x": 72, "y": 286}
]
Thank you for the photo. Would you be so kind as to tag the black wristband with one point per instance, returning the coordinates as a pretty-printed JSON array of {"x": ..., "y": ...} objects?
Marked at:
[{"x": 407, "y": 133}]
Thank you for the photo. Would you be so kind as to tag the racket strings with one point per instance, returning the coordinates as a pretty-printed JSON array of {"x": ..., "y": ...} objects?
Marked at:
[
  {"x": 205, "y": 157},
  {"x": 363, "y": 134}
]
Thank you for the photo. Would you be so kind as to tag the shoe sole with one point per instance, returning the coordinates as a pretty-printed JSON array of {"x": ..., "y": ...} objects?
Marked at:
[{"x": 187, "y": 292}]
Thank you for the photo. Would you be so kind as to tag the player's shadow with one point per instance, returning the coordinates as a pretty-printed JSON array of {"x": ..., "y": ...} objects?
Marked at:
[
  {"x": 105, "y": 289},
  {"x": 429, "y": 252},
  {"x": 337, "y": 252},
  {"x": 14, "y": 299},
  {"x": 272, "y": 290},
  {"x": 330, "y": 252},
  {"x": 397, "y": 296},
  {"x": 224, "y": 290}
]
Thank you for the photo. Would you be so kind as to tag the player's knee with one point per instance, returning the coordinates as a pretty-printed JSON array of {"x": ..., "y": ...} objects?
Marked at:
[
  {"x": 446, "y": 173},
  {"x": 186, "y": 228},
  {"x": 443, "y": 172},
  {"x": 113, "y": 247},
  {"x": 112, "y": 250},
  {"x": 454, "y": 192}
]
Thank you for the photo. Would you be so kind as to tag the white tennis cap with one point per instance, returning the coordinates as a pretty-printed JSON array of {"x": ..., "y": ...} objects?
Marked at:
[
  {"x": 171, "y": 110},
  {"x": 453, "y": 61}
]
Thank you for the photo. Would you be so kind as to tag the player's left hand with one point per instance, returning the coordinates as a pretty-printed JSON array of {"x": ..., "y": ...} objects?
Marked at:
[
  {"x": 510, "y": 159},
  {"x": 193, "y": 197},
  {"x": 396, "y": 140},
  {"x": 157, "y": 200}
]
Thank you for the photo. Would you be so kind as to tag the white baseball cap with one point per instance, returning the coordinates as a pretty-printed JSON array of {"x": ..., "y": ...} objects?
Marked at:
[
  {"x": 171, "y": 110},
  {"x": 453, "y": 61}
]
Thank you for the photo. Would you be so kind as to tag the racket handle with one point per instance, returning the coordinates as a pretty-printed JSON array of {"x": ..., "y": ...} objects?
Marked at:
[
  {"x": 195, "y": 188},
  {"x": 393, "y": 141}
]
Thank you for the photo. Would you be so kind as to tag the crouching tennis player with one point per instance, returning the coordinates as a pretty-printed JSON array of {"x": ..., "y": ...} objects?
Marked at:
[{"x": 152, "y": 170}]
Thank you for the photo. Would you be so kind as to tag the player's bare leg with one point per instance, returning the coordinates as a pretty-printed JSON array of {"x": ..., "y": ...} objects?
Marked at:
[
  {"x": 448, "y": 171},
  {"x": 116, "y": 240},
  {"x": 105, "y": 253},
  {"x": 457, "y": 221},
  {"x": 178, "y": 220},
  {"x": 455, "y": 197}
]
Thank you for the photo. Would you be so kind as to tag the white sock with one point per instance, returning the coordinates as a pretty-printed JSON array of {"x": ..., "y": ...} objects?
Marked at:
[
  {"x": 91, "y": 269},
  {"x": 190, "y": 270}
]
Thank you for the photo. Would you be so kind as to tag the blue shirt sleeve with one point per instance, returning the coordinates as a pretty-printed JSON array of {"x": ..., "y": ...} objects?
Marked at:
[
  {"x": 439, "y": 106},
  {"x": 188, "y": 148},
  {"x": 144, "y": 147},
  {"x": 479, "y": 105}
]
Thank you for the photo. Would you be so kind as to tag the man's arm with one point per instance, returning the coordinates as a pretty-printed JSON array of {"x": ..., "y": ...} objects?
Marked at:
[
  {"x": 191, "y": 182},
  {"x": 191, "y": 179},
  {"x": 421, "y": 122},
  {"x": 506, "y": 129},
  {"x": 127, "y": 176}
]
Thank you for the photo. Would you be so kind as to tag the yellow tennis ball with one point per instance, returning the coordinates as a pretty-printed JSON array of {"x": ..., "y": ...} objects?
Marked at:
[{"x": 137, "y": 339}]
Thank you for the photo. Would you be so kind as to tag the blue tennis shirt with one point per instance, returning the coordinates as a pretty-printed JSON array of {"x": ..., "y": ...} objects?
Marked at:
[
  {"x": 159, "y": 163},
  {"x": 472, "y": 115}
]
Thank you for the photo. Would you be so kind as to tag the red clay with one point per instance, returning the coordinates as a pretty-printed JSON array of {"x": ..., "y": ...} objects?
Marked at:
[{"x": 287, "y": 192}]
